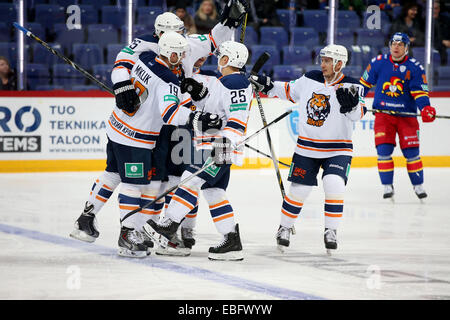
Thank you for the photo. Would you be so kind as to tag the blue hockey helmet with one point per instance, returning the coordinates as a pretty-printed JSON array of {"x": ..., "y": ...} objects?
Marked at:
[{"x": 399, "y": 36}]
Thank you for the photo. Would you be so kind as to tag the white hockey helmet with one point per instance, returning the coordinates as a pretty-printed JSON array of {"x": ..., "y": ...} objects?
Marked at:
[
  {"x": 236, "y": 52},
  {"x": 172, "y": 42},
  {"x": 337, "y": 53},
  {"x": 168, "y": 21}
]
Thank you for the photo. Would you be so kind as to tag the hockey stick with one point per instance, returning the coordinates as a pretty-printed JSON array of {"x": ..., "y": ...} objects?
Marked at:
[
  {"x": 67, "y": 60},
  {"x": 206, "y": 166},
  {"x": 399, "y": 113},
  {"x": 244, "y": 26},
  {"x": 265, "y": 154},
  {"x": 257, "y": 66}
]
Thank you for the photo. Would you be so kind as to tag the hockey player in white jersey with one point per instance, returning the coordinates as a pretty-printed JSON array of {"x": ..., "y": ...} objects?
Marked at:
[
  {"x": 229, "y": 97},
  {"x": 127, "y": 98},
  {"x": 329, "y": 102},
  {"x": 132, "y": 136}
]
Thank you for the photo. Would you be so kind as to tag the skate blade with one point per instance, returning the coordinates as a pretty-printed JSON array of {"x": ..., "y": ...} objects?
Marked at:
[
  {"x": 156, "y": 237},
  {"x": 81, "y": 235},
  {"x": 169, "y": 251},
  {"x": 281, "y": 248},
  {"x": 229, "y": 256},
  {"x": 123, "y": 252}
]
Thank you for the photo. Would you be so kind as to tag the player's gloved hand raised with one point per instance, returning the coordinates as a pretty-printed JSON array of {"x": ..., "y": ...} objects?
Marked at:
[
  {"x": 126, "y": 96},
  {"x": 233, "y": 13},
  {"x": 204, "y": 121},
  {"x": 261, "y": 83},
  {"x": 348, "y": 99},
  {"x": 428, "y": 114},
  {"x": 196, "y": 89},
  {"x": 222, "y": 151}
]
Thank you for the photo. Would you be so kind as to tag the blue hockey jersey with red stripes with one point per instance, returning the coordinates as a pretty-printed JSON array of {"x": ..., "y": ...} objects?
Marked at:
[{"x": 399, "y": 86}]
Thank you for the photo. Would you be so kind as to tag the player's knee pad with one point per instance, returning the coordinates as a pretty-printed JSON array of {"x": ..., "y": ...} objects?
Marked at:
[
  {"x": 333, "y": 184},
  {"x": 385, "y": 150},
  {"x": 111, "y": 179},
  {"x": 411, "y": 153},
  {"x": 130, "y": 190},
  {"x": 194, "y": 183},
  {"x": 299, "y": 191}
]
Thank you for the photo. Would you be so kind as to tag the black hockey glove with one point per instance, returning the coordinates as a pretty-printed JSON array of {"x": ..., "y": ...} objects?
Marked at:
[
  {"x": 204, "y": 121},
  {"x": 261, "y": 83},
  {"x": 348, "y": 98},
  {"x": 196, "y": 89},
  {"x": 233, "y": 13},
  {"x": 126, "y": 97},
  {"x": 222, "y": 151}
]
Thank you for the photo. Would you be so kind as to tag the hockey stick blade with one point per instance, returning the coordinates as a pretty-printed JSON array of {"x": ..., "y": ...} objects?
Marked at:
[{"x": 260, "y": 62}]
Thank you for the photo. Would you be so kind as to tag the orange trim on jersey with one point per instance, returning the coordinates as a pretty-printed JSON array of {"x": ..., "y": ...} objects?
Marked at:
[
  {"x": 123, "y": 207},
  {"x": 288, "y": 214},
  {"x": 161, "y": 62},
  {"x": 327, "y": 150},
  {"x": 192, "y": 215},
  {"x": 100, "y": 198},
  {"x": 230, "y": 215},
  {"x": 165, "y": 111},
  {"x": 212, "y": 40},
  {"x": 193, "y": 192},
  {"x": 173, "y": 115},
  {"x": 287, "y": 90},
  {"x": 122, "y": 67},
  {"x": 233, "y": 130},
  {"x": 184, "y": 203},
  {"x": 320, "y": 140},
  {"x": 185, "y": 101},
  {"x": 148, "y": 197},
  {"x": 138, "y": 130},
  {"x": 334, "y": 201},
  {"x": 333, "y": 215},
  {"x": 218, "y": 204},
  {"x": 124, "y": 60},
  {"x": 238, "y": 121},
  {"x": 152, "y": 212},
  {"x": 121, "y": 133},
  {"x": 337, "y": 81},
  {"x": 107, "y": 188},
  {"x": 292, "y": 202}
]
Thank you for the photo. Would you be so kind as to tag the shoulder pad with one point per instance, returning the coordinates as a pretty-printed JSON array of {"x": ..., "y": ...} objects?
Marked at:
[
  {"x": 235, "y": 81},
  {"x": 315, "y": 75}
]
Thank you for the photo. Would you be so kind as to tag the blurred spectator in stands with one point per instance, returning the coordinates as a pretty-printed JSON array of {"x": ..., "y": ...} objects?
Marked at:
[
  {"x": 266, "y": 13},
  {"x": 206, "y": 17},
  {"x": 441, "y": 32},
  {"x": 8, "y": 79},
  {"x": 180, "y": 11},
  {"x": 409, "y": 23},
  {"x": 353, "y": 5}
]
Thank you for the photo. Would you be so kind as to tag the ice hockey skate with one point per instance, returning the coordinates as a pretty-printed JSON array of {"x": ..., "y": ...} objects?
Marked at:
[
  {"x": 187, "y": 236},
  {"x": 230, "y": 249},
  {"x": 330, "y": 240},
  {"x": 420, "y": 192},
  {"x": 175, "y": 247},
  {"x": 86, "y": 225},
  {"x": 161, "y": 233},
  {"x": 282, "y": 236},
  {"x": 131, "y": 244},
  {"x": 388, "y": 192}
]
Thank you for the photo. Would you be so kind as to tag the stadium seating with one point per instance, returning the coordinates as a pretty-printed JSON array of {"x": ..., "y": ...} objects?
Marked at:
[
  {"x": 111, "y": 52},
  {"x": 374, "y": 38},
  {"x": 138, "y": 30},
  {"x": 307, "y": 37},
  {"x": 46, "y": 87},
  {"x": 102, "y": 34},
  {"x": 85, "y": 87},
  {"x": 66, "y": 76},
  {"x": 276, "y": 36},
  {"x": 288, "y": 18},
  {"x": 67, "y": 37},
  {"x": 419, "y": 54},
  {"x": 37, "y": 74},
  {"x": 97, "y": 4},
  {"x": 102, "y": 72},
  {"x": 353, "y": 71},
  {"x": 317, "y": 19},
  {"x": 360, "y": 55},
  {"x": 257, "y": 50},
  {"x": 250, "y": 37},
  {"x": 344, "y": 37},
  {"x": 348, "y": 19},
  {"x": 286, "y": 72},
  {"x": 43, "y": 55},
  {"x": 50, "y": 14},
  {"x": 114, "y": 15},
  {"x": 147, "y": 15},
  {"x": 298, "y": 56},
  {"x": 8, "y": 13},
  {"x": 9, "y": 50},
  {"x": 89, "y": 14},
  {"x": 87, "y": 54},
  {"x": 5, "y": 32}
]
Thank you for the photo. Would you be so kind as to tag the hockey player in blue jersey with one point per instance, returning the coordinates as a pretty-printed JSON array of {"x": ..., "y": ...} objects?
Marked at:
[{"x": 400, "y": 85}]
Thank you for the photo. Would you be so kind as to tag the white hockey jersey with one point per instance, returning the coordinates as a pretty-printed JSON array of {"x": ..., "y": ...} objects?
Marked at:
[
  {"x": 229, "y": 97},
  {"x": 200, "y": 46},
  {"x": 161, "y": 105},
  {"x": 323, "y": 130}
]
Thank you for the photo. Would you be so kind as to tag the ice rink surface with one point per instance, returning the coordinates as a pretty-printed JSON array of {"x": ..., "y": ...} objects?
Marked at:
[{"x": 387, "y": 250}]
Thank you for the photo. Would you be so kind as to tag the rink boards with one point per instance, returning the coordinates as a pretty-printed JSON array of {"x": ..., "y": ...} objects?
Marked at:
[{"x": 42, "y": 131}]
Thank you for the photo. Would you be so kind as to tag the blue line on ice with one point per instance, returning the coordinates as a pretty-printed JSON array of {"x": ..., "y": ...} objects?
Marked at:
[{"x": 204, "y": 274}]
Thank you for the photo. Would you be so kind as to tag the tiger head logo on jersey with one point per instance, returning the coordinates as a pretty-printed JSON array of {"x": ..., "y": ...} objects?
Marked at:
[
  {"x": 394, "y": 87},
  {"x": 318, "y": 109}
]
